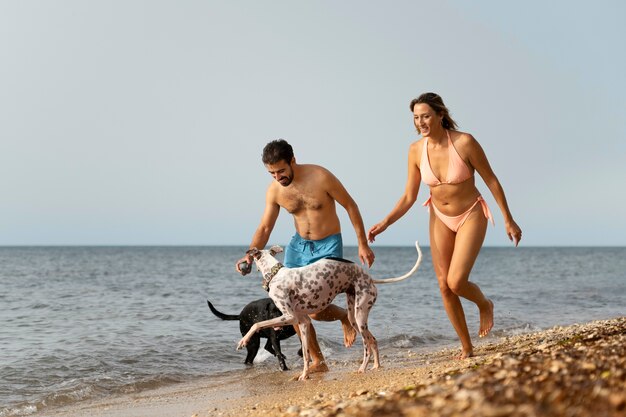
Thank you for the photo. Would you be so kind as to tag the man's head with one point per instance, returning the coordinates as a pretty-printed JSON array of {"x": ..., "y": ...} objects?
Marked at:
[
  {"x": 276, "y": 151},
  {"x": 278, "y": 159}
]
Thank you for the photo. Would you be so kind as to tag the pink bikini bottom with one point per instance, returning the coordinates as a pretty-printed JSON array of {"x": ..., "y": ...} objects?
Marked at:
[{"x": 455, "y": 222}]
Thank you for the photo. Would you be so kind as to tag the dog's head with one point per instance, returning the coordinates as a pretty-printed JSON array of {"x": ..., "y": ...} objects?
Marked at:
[
  {"x": 258, "y": 257},
  {"x": 275, "y": 249},
  {"x": 256, "y": 253}
]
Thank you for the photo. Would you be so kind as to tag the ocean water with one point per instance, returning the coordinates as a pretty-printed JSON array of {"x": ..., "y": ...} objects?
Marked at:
[{"x": 80, "y": 323}]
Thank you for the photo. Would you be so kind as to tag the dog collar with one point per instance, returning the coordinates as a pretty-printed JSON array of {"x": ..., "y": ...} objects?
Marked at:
[{"x": 267, "y": 278}]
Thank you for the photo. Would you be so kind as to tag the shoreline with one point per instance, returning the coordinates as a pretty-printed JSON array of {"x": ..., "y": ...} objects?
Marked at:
[{"x": 576, "y": 370}]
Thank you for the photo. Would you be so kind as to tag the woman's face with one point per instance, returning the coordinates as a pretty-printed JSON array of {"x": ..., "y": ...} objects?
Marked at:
[{"x": 425, "y": 119}]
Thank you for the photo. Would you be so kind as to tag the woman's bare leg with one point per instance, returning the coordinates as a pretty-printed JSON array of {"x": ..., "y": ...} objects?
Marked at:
[
  {"x": 442, "y": 241},
  {"x": 469, "y": 240}
]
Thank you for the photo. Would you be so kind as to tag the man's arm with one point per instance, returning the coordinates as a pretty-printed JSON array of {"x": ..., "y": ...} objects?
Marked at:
[
  {"x": 339, "y": 193},
  {"x": 263, "y": 232}
]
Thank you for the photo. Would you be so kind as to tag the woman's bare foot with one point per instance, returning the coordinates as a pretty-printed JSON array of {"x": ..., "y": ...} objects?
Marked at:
[
  {"x": 486, "y": 319},
  {"x": 349, "y": 332}
]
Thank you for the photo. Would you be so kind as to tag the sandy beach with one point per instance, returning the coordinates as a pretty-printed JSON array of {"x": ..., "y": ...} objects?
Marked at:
[{"x": 578, "y": 370}]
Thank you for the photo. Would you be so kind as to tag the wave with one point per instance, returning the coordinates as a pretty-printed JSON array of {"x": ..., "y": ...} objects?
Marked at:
[
  {"x": 77, "y": 391},
  {"x": 18, "y": 410},
  {"x": 516, "y": 329}
]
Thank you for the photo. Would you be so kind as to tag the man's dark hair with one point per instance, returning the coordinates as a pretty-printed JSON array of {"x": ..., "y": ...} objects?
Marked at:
[{"x": 276, "y": 151}]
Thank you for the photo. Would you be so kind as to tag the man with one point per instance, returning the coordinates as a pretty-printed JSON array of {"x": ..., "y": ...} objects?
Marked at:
[{"x": 309, "y": 193}]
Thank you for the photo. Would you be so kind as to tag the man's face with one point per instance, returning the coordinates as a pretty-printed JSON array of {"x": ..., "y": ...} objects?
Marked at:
[{"x": 281, "y": 172}]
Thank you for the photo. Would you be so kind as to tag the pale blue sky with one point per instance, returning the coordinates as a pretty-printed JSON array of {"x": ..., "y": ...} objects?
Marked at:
[{"x": 142, "y": 122}]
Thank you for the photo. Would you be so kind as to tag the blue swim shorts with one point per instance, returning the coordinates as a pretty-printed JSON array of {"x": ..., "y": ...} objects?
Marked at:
[{"x": 302, "y": 252}]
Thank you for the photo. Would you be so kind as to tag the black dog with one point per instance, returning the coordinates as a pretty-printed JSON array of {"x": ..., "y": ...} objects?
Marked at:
[{"x": 259, "y": 310}]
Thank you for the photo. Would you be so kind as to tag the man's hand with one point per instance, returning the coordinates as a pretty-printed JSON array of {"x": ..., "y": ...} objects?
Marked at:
[
  {"x": 366, "y": 255},
  {"x": 246, "y": 260}
]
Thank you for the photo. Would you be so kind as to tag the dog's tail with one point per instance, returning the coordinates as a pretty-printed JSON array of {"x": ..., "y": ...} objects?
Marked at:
[
  {"x": 222, "y": 315},
  {"x": 408, "y": 274}
]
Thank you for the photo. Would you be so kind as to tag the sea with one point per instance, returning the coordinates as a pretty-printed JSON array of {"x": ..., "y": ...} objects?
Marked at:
[{"x": 86, "y": 323}]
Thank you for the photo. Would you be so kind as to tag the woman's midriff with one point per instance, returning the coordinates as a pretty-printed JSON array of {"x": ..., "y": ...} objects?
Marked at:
[{"x": 454, "y": 199}]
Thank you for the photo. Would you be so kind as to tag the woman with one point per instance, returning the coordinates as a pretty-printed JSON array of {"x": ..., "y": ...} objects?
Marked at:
[{"x": 446, "y": 159}]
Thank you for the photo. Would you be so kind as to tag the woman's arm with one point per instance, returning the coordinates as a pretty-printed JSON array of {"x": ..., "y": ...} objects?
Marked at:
[
  {"x": 479, "y": 161},
  {"x": 407, "y": 199}
]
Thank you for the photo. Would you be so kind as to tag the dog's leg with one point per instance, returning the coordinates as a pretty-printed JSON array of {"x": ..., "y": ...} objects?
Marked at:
[
  {"x": 364, "y": 302},
  {"x": 283, "y": 320},
  {"x": 304, "y": 323},
  {"x": 350, "y": 311},
  {"x": 370, "y": 348},
  {"x": 270, "y": 345},
  {"x": 273, "y": 347},
  {"x": 253, "y": 348},
  {"x": 366, "y": 335}
]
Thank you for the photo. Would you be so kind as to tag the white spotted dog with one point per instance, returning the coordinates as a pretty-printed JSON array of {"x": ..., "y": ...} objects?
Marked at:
[{"x": 298, "y": 292}]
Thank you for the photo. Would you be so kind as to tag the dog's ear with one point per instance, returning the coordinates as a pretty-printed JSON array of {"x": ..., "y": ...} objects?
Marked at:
[
  {"x": 254, "y": 252},
  {"x": 275, "y": 249}
]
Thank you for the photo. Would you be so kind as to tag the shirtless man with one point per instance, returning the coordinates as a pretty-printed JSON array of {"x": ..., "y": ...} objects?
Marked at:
[{"x": 309, "y": 193}]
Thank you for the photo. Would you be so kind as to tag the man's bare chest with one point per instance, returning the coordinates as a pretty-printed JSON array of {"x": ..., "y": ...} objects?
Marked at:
[{"x": 296, "y": 201}]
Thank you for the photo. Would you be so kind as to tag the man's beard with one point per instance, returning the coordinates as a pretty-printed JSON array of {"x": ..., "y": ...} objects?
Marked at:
[{"x": 285, "y": 181}]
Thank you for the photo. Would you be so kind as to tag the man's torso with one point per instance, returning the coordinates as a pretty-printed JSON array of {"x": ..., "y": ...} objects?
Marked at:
[{"x": 309, "y": 201}]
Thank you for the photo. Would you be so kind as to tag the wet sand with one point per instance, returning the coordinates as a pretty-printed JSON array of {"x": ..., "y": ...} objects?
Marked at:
[{"x": 578, "y": 370}]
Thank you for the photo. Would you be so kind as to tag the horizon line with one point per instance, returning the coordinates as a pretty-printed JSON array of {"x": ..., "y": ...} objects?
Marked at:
[{"x": 157, "y": 245}]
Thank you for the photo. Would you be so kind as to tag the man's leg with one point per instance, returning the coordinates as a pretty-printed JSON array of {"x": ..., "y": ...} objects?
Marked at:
[
  {"x": 318, "y": 364},
  {"x": 300, "y": 252},
  {"x": 333, "y": 246},
  {"x": 332, "y": 313}
]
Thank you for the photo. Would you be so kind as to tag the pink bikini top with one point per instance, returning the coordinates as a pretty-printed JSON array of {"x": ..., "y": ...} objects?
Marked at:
[{"x": 458, "y": 171}]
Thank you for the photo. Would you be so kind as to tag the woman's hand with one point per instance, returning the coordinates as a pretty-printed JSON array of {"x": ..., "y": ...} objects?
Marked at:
[
  {"x": 514, "y": 232},
  {"x": 376, "y": 230}
]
